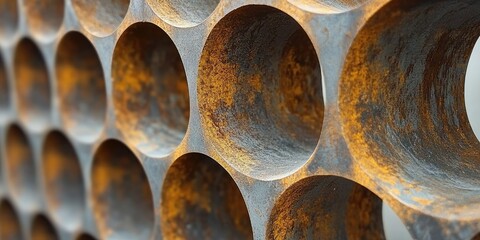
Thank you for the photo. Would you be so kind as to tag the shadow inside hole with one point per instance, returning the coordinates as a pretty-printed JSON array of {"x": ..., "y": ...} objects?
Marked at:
[
  {"x": 85, "y": 236},
  {"x": 476, "y": 237},
  {"x": 200, "y": 200},
  {"x": 81, "y": 87},
  {"x": 150, "y": 90},
  {"x": 403, "y": 106},
  {"x": 32, "y": 85},
  {"x": 326, "y": 207},
  {"x": 10, "y": 227},
  {"x": 63, "y": 178},
  {"x": 122, "y": 198},
  {"x": 42, "y": 229},
  {"x": 20, "y": 168},
  {"x": 8, "y": 18},
  {"x": 260, "y": 92}
]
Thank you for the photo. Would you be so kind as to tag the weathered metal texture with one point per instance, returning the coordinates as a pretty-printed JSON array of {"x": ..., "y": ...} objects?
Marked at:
[{"x": 236, "y": 119}]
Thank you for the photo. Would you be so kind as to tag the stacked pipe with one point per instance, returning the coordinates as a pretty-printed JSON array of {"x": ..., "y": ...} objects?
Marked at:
[{"x": 236, "y": 119}]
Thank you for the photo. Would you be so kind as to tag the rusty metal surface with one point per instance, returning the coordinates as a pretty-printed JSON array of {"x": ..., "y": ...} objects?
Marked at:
[{"x": 236, "y": 119}]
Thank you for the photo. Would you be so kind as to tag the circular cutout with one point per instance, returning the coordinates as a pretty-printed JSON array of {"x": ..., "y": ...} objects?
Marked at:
[
  {"x": 403, "y": 108},
  {"x": 11, "y": 228},
  {"x": 328, "y": 6},
  {"x": 4, "y": 91},
  {"x": 20, "y": 168},
  {"x": 260, "y": 92},
  {"x": 81, "y": 87},
  {"x": 42, "y": 229},
  {"x": 200, "y": 200},
  {"x": 44, "y": 17},
  {"x": 182, "y": 13},
  {"x": 472, "y": 82},
  {"x": 101, "y": 18},
  {"x": 150, "y": 90},
  {"x": 326, "y": 207},
  {"x": 8, "y": 19},
  {"x": 122, "y": 198},
  {"x": 64, "y": 187},
  {"x": 32, "y": 85},
  {"x": 85, "y": 236}
]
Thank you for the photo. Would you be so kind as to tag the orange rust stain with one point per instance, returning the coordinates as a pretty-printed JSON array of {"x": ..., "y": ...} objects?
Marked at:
[
  {"x": 326, "y": 207},
  {"x": 42, "y": 229},
  {"x": 10, "y": 227},
  {"x": 200, "y": 200},
  {"x": 150, "y": 90}
]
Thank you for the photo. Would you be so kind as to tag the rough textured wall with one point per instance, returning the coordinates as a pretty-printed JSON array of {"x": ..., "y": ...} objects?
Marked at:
[{"x": 236, "y": 119}]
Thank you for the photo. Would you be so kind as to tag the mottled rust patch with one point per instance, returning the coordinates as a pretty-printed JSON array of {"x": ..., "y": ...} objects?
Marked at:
[
  {"x": 403, "y": 109},
  {"x": 32, "y": 85},
  {"x": 150, "y": 90},
  {"x": 42, "y": 229},
  {"x": 10, "y": 228},
  {"x": 81, "y": 87},
  {"x": 9, "y": 18},
  {"x": 85, "y": 236},
  {"x": 201, "y": 201},
  {"x": 20, "y": 168},
  {"x": 184, "y": 13},
  {"x": 326, "y": 207},
  {"x": 64, "y": 188},
  {"x": 121, "y": 194},
  {"x": 101, "y": 17},
  {"x": 44, "y": 17},
  {"x": 267, "y": 115}
]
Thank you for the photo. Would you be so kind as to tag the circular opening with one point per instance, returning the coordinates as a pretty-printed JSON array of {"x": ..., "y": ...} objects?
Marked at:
[
  {"x": 403, "y": 107},
  {"x": 326, "y": 207},
  {"x": 44, "y": 17},
  {"x": 200, "y": 200},
  {"x": 20, "y": 168},
  {"x": 11, "y": 228},
  {"x": 182, "y": 13},
  {"x": 122, "y": 199},
  {"x": 394, "y": 227},
  {"x": 81, "y": 87},
  {"x": 8, "y": 18},
  {"x": 328, "y": 6},
  {"x": 85, "y": 236},
  {"x": 260, "y": 92},
  {"x": 472, "y": 82},
  {"x": 64, "y": 188},
  {"x": 42, "y": 229},
  {"x": 4, "y": 91},
  {"x": 150, "y": 91},
  {"x": 101, "y": 17},
  {"x": 32, "y": 85}
]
